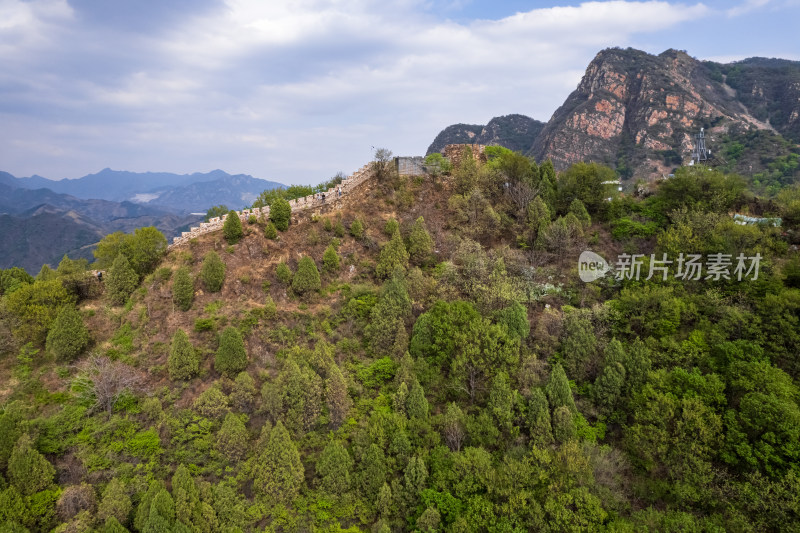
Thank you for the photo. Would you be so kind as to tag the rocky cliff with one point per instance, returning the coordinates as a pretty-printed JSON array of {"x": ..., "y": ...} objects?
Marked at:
[
  {"x": 639, "y": 113},
  {"x": 516, "y": 132}
]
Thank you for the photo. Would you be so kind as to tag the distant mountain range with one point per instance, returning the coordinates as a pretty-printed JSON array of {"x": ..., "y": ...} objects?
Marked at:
[
  {"x": 639, "y": 113},
  {"x": 42, "y": 219},
  {"x": 176, "y": 192}
]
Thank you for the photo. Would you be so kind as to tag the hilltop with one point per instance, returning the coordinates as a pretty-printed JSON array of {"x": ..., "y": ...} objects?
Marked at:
[{"x": 419, "y": 354}]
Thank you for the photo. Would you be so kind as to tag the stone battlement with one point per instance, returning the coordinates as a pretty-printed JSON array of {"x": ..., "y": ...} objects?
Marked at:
[{"x": 299, "y": 204}]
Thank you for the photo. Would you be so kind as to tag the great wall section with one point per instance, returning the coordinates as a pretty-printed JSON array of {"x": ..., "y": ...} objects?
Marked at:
[{"x": 403, "y": 165}]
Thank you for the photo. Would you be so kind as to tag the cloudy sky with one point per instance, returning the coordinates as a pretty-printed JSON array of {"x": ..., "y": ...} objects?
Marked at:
[{"x": 296, "y": 91}]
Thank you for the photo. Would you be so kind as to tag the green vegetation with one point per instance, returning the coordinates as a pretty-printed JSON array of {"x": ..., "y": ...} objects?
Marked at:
[
  {"x": 144, "y": 249},
  {"x": 280, "y": 213},
  {"x": 232, "y": 228},
  {"x": 183, "y": 289},
  {"x": 213, "y": 272},
  {"x": 476, "y": 386}
]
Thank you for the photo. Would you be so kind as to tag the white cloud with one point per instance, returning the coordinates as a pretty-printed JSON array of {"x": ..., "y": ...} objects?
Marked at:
[
  {"x": 256, "y": 86},
  {"x": 746, "y": 7}
]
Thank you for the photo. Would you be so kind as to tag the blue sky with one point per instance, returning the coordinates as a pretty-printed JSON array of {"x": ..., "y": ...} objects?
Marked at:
[{"x": 296, "y": 91}]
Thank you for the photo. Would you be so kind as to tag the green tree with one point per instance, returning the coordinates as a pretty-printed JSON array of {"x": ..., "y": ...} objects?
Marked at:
[
  {"x": 270, "y": 231},
  {"x": 579, "y": 210},
  {"x": 436, "y": 164},
  {"x": 243, "y": 393},
  {"x": 391, "y": 227},
  {"x": 453, "y": 427},
  {"x": 466, "y": 171},
  {"x": 393, "y": 255},
  {"x": 387, "y": 318},
  {"x": 231, "y": 354},
  {"x": 212, "y": 272},
  {"x": 330, "y": 259},
  {"x": 564, "y": 428},
  {"x": 280, "y": 213},
  {"x": 538, "y": 216},
  {"x": 216, "y": 211},
  {"x": 420, "y": 243},
  {"x": 143, "y": 510},
  {"x": 334, "y": 468},
  {"x": 28, "y": 470},
  {"x": 280, "y": 473},
  {"x": 68, "y": 336},
  {"x": 558, "y": 391},
  {"x": 306, "y": 279},
  {"x": 283, "y": 273},
  {"x": 539, "y": 419},
  {"x": 416, "y": 403},
  {"x": 232, "y": 228},
  {"x": 161, "y": 518},
  {"x": 183, "y": 289},
  {"x": 584, "y": 181},
  {"x": 336, "y": 396},
  {"x": 116, "y": 503},
  {"x": 112, "y": 525},
  {"x": 11, "y": 279},
  {"x": 232, "y": 437},
  {"x": 429, "y": 520},
  {"x": 121, "y": 280},
  {"x": 501, "y": 402},
  {"x": 372, "y": 472},
  {"x": 300, "y": 390},
  {"x": 188, "y": 508},
  {"x": 357, "y": 228},
  {"x": 145, "y": 249},
  {"x": 33, "y": 308},
  {"x": 183, "y": 362},
  {"x": 579, "y": 346}
]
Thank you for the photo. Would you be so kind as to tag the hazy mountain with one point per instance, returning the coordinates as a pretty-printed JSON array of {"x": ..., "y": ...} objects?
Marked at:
[{"x": 119, "y": 186}]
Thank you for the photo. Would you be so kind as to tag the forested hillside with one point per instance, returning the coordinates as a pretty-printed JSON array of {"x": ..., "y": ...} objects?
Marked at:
[{"x": 420, "y": 355}]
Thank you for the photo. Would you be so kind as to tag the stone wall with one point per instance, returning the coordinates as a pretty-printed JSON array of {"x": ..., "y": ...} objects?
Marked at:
[
  {"x": 300, "y": 204},
  {"x": 410, "y": 166},
  {"x": 453, "y": 152}
]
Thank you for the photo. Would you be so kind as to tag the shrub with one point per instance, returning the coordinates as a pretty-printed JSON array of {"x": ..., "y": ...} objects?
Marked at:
[
  {"x": 183, "y": 362},
  {"x": 330, "y": 259},
  {"x": 232, "y": 437},
  {"x": 231, "y": 354},
  {"x": 420, "y": 244},
  {"x": 284, "y": 273},
  {"x": 213, "y": 272},
  {"x": 393, "y": 255},
  {"x": 327, "y": 224},
  {"x": 391, "y": 227},
  {"x": 212, "y": 403},
  {"x": 183, "y": 289},
  {"x": 121, "y": 280},
  {"x": 68, "y": 335},
  {"x": 280, "y": 213},
  {"x": 307, "y": 276},
  {"x": 28, "y": 470},
  {"x": 338, "y": 229},
  {"x": 232, "y": 229},
  {"x": 252, "y": 219},
  {"x": 357, "y": 228},
  {"x": 270, "y": 231}
]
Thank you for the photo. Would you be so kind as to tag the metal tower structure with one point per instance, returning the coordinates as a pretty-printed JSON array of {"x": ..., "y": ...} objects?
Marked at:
[{"x": 700, "y": 153}]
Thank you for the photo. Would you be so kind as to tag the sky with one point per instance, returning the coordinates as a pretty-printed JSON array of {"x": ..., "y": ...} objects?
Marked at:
[{"x": 297, "y": 91}]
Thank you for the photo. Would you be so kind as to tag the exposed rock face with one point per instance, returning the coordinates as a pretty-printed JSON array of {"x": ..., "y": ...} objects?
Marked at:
[
  {"x": 639, "y": 113},
  {"x": 631, "y": 105},
  {"x": 516, "y": 132}
]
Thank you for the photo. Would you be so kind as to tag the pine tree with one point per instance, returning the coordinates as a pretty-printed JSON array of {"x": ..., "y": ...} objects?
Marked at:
[
  {"x": 280, "y": 472},
  {"x": 232, "y": 437},
  {"x": 306, "y": 279},
  {"x": 429, "y": 521},
  {"x": 280, "y": 213},
  {"x": 336, "y": 396},
  {"x": 68, "y": 336},
  {"x": 244, "y": 392},
  {"x": 121, "y": 280},
  {"x": 231, "y": 354},
  {"x": 415, "y": 475},
  {"x": 212, "y": 272},
  {"x": 188, "y": 508},
  {"x": 400, "y": 398},
  {"x": 334, "y": 468},
  {"x": 416, "y": 404},
  {"x": 162, "y": 514},
  {"x": 183, "y": 289},
  {"x": 232, "y": 228},
  {"x": 563, "y": 425},
  {"x": 372, "y": 472},
  {"x": 357, "y": 228},
  {"x": 558, "y": 391},
  {"x": 183, "y": 362},
  {"x": 112, "y": 525},
  {"x": 270, "y": 231},
  {"x": 116, "y": 503},
  {"x": 12, "y": 509},
  {"x": 28, "y": 470},
  {"x": 579, "y": 210},
  {"x": 393, "y": 255},
  {"x": 391, "y": 227},
  {"x": 539, "y": 419},
  {"x": 283, "y": 273},
  {"x": 420, "y": 243},
  {"x": 501, "y": 402},
  {"x": 330, "y": 259},
  {"x": 453, "y": 426}
]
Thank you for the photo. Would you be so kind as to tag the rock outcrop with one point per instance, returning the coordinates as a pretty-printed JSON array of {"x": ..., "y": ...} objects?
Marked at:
[{"x": 516, "y": 132}]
